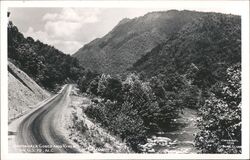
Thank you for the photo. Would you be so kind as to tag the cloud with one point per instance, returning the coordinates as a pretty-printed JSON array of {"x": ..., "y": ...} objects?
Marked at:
[
  {"x": 67, "y": 14},
  {"x": 62, "y": 29},
  {"x": 37, "y": 35},
  {"x": 68, "y": 22},
  {"x": 68, "y": 29},
  {"x": 90, "y": 15},
  {"x": 50, "y": 16},
  {"x": 67, "y": 46}
]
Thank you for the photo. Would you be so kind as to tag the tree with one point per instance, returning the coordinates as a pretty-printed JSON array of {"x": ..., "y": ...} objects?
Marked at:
[
  {"x": 102, "y": 84},
  {"x": 113, "y": 90},
  {"x": 220, "y": 123},
  {"x": 48, "y": 66},
  {"x": 93, "y": 86},
  {"x": 85, "y": 80},
  {"x": 191, "y": 97}
]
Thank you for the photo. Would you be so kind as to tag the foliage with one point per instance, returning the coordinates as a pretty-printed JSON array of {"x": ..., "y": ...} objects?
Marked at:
[
  {"x": 190, "y": 69},
  {"x": 121, "y": 120},
  {"x": 187, "y": 66},
  {"x": 194, "y": 60},
  {"x": 86, "y": 79},
  {"x": 202, "y": 51},
  {"x": 191, "y": 97},
  {"x": 167, "y": 97},
  {"x": 220, "y": 123},
  {"x": 130, "y": 39},
  {"x": 130, "y": 108},
  {"x": 110, "y": 88},
  {"x": 48, "y": 66},
  {"x": 92, "y": 138}
]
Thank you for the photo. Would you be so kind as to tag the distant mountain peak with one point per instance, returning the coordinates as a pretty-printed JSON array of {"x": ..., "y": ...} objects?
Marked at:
[
  {"x": 131, "y": 39},
  {"x": 124, "y": 20},
  {"x": 162, "y": 12}
]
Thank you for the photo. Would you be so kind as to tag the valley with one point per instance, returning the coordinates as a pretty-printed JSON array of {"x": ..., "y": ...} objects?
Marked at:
[
  {"x": 167, "y": 82},
  {"x": 32, "y": 134}
]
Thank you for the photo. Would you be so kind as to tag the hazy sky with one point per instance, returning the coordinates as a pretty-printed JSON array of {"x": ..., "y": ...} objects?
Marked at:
[{"x": 68, "y": 29}]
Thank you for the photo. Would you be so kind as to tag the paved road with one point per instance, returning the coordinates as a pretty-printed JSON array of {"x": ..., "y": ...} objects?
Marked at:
[{"x": 40, "y": 131}]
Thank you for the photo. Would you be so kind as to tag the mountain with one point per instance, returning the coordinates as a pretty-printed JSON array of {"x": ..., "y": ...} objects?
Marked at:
[
  {"x": 205, "y": 48},
  {"x": 45, "y": 64},
  {"x": 23, "y": 92},
  {"x": 130, "y": 39}
]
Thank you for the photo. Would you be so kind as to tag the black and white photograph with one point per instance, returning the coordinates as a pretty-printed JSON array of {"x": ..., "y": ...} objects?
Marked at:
[{"x": 137, "y": 79}]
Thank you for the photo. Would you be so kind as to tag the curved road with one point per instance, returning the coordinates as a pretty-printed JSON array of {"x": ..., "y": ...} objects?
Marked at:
[{"x": 40, "y": 131}]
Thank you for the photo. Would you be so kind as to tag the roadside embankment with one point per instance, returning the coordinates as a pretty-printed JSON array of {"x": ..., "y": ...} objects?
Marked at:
[
  {"x": 23, "y": 92},
  {"x": 88, "y": 136}
]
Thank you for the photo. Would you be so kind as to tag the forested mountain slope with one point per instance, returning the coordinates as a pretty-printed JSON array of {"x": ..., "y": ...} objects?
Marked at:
[
  {"x": 45, "y": 64},
  {"x": 201, "y": 51},
  {"x": 131, "y": 39}
]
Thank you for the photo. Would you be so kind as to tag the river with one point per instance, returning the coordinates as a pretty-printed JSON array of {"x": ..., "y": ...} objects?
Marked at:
[{"x": 183, "y": 134}]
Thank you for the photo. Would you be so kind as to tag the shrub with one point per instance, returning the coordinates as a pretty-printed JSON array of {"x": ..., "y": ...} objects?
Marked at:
[
  {"x": 97, "y": 112},
  {"x": 130, "y": 108},
  {"x": 220, "y": 123}
]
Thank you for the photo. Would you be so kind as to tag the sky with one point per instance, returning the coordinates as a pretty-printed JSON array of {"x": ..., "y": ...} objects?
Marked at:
[{"x": 68, "y": 29}]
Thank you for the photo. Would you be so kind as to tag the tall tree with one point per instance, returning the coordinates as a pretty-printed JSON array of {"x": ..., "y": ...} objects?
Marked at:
[{"x": 220, "y": 123}]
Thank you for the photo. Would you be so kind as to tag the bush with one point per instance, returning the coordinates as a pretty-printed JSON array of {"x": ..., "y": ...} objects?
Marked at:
[
  {"x": 97, "y": 112},
  {"x": 220, "y": 123},
  {"x": 48, "y": 66},
  {"x": 120, "y": 120},
  {"x": 130, "y": 108}
]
